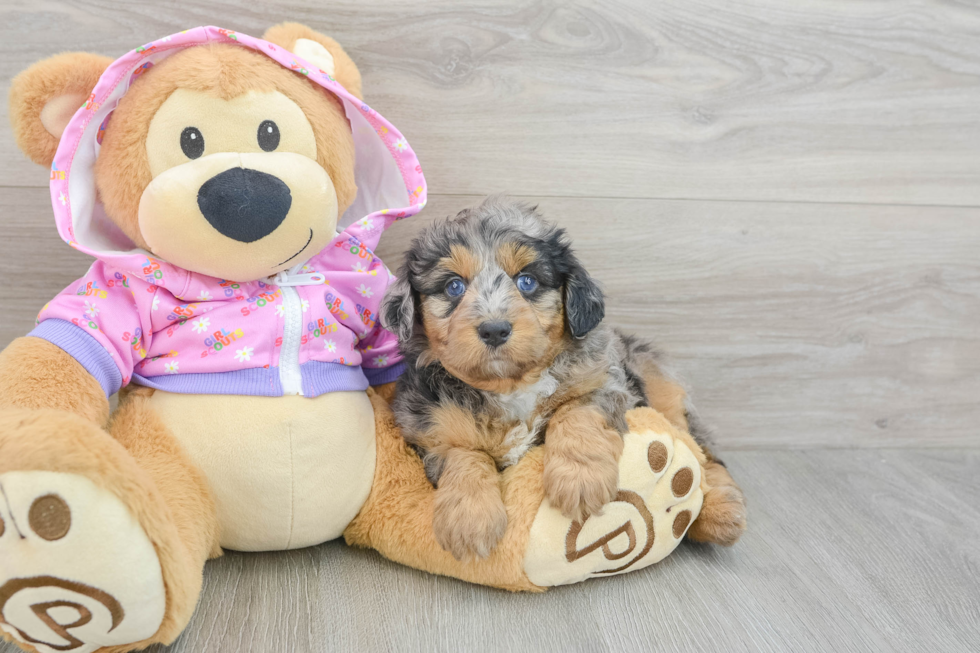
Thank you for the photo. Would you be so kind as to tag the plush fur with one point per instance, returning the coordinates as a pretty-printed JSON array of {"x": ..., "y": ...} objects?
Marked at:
[
  {"x": 345, "y": 71},
  {"x": 71, "y": 75},
  {"x": 35, "y": 374},
  {"x": 52, "y": 440},
  {"x": 185, "y": 493}
]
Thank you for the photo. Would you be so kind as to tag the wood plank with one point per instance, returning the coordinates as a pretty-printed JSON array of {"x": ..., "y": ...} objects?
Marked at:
[
  {"x": 846, "y": 551},
  {"x": 816, "y": 100},
  {"x": 795, "y": 325},
  {"x": 35, "y": 264}
]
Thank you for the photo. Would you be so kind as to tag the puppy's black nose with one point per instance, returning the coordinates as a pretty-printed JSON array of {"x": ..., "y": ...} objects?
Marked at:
[
  {"x": 244, "y": 204},
  {"x": 494, "y": 333}
]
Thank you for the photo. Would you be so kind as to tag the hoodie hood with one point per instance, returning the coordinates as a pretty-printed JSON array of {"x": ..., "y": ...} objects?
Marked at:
[{"x": 389, "y": 179}]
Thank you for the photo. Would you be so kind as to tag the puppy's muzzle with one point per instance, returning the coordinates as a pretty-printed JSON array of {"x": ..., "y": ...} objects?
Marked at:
[
  {"x": 244, "y": 204},
  {"x": 494, "y": 334}
]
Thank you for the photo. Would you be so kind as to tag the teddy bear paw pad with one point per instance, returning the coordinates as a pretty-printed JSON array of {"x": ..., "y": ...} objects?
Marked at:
[
  {"x": 659, "y": 496},
  {"x": 77, "y": 571}
]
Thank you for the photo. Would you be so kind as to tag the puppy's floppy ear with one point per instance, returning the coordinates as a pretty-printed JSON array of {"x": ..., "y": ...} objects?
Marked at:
[
  {"x": 584, "y": 304},
  {"x": 320, "y": 50},
  {"x": 398, "y": 311},
  {"x": 44, "y": 97}
]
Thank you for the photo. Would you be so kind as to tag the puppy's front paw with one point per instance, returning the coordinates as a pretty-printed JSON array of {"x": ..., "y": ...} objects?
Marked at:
[
  {"x": 580, "y": 487},
  {"x": 468, "y": 524}
]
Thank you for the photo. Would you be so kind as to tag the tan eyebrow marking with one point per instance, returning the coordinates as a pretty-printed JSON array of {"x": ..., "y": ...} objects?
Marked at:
[
  {"x": 514, "y": 258},
  {"x": 461, "y": 261}
]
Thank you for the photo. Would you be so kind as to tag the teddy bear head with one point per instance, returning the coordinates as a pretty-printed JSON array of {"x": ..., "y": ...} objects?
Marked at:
[{"x": 217, "y": 159}]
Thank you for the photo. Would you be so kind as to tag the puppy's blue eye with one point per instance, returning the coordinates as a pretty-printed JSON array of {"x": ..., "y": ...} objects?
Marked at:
[
  {"x": 526, "y": 283},
  {"x": 455, "y": 288}
]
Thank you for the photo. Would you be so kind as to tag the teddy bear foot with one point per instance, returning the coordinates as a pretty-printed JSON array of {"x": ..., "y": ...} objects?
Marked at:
[
  {"x": 77, "y": 571},
  {"x": 659, "y": 495},
  {"x": 723, "y": 517}
]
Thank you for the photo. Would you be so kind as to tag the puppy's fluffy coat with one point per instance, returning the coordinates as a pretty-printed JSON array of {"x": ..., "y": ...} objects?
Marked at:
[{"x": 501, "y": 328}]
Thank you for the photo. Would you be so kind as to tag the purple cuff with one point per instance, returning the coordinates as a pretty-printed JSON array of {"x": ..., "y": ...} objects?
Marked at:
[
  {"x": 318, "y": 378},
  {"x": 321, "y": 378},
  {"x": 256, "y": 381},
  {"x": 84, "y": 348},
  {"x": 384, "y": 375}
]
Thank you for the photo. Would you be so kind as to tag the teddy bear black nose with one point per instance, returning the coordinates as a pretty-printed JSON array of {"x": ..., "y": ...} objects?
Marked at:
[{"x": 244, "y": 204}]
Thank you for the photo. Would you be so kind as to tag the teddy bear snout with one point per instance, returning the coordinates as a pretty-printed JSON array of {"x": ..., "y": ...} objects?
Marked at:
[{"x": 244, "y": 204}]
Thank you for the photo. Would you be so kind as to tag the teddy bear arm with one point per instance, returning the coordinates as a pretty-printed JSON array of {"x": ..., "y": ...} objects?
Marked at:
[
  {"x": 722, "y": 519},
  {"x": 37, "y": 374},
  {"x": 397, "y": 517},
  {"x": 661, "y": 488}
]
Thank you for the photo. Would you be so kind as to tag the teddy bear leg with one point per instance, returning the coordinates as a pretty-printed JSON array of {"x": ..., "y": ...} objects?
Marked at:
[
  {"x": 101, "y": 548},
  {"x": 188, "y": 499},
  {"x": 723, "y": 515},
  {"x": 396, "y": 519}
]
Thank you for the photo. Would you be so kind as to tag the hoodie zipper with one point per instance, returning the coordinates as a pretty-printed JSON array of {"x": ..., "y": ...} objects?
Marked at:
[{"x": 290, "y": 377}]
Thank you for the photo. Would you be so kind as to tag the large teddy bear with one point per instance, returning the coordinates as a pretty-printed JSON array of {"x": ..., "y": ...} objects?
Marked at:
[{"x": 233, "y": 191}]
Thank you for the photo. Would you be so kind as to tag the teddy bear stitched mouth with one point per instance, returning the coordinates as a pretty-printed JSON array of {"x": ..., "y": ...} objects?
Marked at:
[
  {"x": 299, "y": 252},
  {"x": 244, "y": 204}
]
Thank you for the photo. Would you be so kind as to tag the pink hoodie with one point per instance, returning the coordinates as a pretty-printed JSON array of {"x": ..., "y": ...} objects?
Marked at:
[{"x": 134, "y": 317}]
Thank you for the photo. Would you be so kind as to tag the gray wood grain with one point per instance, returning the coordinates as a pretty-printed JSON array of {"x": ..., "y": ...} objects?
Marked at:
[
  {"x": 846, "y": 551},
  {"x": 816, "y": 100},
  {"x": 795, "y": 325}
]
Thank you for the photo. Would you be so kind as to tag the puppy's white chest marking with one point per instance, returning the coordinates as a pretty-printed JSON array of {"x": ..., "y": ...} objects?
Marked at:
[
  {"x": 519, "y": 439},
  {"x": 520, "y": 406}
]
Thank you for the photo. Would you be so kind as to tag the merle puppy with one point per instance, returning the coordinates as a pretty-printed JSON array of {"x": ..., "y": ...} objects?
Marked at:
[{"x": 501, "y": 329}]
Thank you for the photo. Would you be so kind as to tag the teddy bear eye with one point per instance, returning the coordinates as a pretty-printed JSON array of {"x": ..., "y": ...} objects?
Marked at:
[
  {"x": 268, "y": 135},
  {"x": 192, "y": 142}
]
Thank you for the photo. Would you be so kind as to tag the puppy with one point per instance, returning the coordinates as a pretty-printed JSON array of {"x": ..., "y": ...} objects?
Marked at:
[{"x": 501, "y": 328}]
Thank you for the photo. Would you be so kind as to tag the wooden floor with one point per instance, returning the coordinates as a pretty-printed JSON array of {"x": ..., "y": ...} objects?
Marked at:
[{"x": 786, "y": 195}]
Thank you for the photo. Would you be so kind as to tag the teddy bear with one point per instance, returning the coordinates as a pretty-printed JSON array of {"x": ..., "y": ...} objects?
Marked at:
[{"x": 232, "y": 191}]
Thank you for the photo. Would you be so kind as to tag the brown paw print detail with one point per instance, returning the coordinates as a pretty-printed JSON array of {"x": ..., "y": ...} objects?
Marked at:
[
  {"x": 681, "y": 521},
  {"x": 654, "y": 507},
  {"x": 50, "y": 517},
  {"x": 657, "y": 456},
  {"x": 81, "y": 594},
  {"x": 681, "y": 484},
  {"x": 77, "y": 571},
  {"x": 573, "y": 552}
]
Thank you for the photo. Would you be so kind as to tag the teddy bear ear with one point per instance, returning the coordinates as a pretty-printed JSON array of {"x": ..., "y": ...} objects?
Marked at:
[
  {"x": 44, "y": 97},
  {"x": 319, "y": 50}
]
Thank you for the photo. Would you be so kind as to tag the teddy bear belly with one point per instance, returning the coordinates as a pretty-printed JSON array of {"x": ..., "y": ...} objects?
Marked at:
[{"x": 286, "y": 472}]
